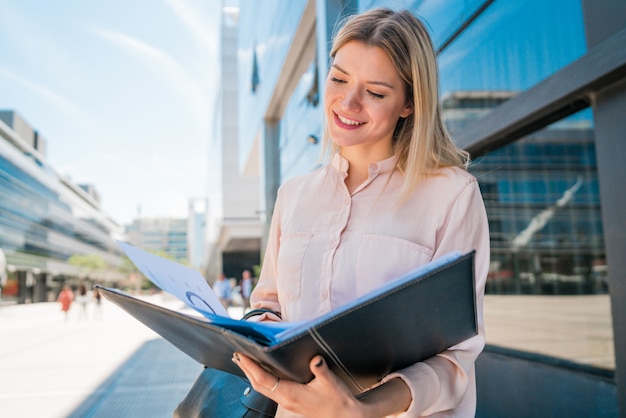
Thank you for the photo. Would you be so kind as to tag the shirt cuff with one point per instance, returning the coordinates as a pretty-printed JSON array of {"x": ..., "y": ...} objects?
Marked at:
[{"x": 424, "y": 385}]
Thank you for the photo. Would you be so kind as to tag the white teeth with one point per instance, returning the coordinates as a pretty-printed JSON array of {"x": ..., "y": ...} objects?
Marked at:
[{"x": 349, "y": 121}]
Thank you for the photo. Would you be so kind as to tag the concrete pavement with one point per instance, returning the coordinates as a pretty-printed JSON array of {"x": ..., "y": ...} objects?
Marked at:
[{"x": 107, "y": 366}]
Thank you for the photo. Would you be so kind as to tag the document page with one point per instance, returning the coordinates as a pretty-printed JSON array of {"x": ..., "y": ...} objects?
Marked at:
[{"x": 183, "y": 282}]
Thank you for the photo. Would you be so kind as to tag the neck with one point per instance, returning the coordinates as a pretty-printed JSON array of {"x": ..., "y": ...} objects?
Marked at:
[{"x": 358, "y": 165}]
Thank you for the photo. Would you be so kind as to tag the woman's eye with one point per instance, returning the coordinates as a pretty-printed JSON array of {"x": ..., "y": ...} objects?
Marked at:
[
  {"x": 376, "y": 95},
  {"x": 336, "y": 80}
]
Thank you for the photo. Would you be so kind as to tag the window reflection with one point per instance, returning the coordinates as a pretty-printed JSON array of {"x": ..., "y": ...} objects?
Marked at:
[
  {"x": 542, "y": 198},
  {"x": 510, "y": 46},
  {"x": 547, "y": 289},
  {"x": 443, "y": 17}
]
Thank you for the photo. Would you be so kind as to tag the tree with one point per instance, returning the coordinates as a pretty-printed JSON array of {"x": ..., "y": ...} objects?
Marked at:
[
  {"x": 140, "y": 281},
  {"x": 88, "y": 262}
]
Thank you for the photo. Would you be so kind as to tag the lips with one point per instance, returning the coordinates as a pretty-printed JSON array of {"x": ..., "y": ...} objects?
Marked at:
[{"x": 347, "y": 123}]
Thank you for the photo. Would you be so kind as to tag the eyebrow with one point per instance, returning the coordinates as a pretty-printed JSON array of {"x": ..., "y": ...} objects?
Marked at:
[{"x": 378, "y": 83}]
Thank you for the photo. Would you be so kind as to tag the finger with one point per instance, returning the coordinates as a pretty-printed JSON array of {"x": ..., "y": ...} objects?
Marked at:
[
  {"x": 319, "y": 368},
  {"x": 252, "y": 370},
  {"x": 261, "y": 380}
]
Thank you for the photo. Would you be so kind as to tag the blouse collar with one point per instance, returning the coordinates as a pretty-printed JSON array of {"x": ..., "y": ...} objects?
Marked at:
[{"x": 387, "y": 165}]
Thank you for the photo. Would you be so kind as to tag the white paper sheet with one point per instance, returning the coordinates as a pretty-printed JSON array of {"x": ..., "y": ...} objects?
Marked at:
[{"x": 183, "y": 282}]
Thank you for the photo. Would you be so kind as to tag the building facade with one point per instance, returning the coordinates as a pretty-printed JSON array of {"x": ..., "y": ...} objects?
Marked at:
[
  {"x": 196, "y": 231},
  {"x": 235, "y": 212},
  {"x": 45, "y": 219},
  {"x": 180, "y": 239},
  {"x": 166, "y": 235},
  {"x": 535, "y": 91}
]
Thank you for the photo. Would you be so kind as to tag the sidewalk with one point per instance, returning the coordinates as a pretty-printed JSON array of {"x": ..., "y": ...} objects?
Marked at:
[{"x": 109, "y": 367}]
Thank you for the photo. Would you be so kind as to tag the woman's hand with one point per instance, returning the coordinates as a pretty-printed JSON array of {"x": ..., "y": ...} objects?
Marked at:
[{"x": 324, "y": 396}]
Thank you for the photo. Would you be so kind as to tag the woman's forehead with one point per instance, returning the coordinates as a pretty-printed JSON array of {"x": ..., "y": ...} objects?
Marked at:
[{"x": 356, "y": 58}]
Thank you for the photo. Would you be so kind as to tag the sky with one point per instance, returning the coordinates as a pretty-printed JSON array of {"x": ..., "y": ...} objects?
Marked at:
[{"x": 122, "y": 91}]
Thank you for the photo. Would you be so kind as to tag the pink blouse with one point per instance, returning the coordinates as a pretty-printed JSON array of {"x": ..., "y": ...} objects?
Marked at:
[{"x": 327, "y": 247}]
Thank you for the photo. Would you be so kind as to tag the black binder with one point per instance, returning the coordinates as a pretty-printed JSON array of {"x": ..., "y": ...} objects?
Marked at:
[{"x": 406, "y": 321}]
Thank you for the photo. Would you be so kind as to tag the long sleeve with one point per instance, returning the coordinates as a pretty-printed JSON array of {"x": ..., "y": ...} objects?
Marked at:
[
  {"x": 265, "y": 294},
  {"x": 441, "y": 382}
]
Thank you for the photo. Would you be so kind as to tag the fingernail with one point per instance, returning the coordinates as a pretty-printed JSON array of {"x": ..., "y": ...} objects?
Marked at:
[{"x": 319, "y": 363}]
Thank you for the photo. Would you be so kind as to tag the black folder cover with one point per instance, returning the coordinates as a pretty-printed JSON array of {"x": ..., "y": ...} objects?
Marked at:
[{"x": 406, "y": 321}]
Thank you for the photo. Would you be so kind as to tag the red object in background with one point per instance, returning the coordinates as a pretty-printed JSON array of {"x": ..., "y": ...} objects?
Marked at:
[{"x": 11, "y": 288}]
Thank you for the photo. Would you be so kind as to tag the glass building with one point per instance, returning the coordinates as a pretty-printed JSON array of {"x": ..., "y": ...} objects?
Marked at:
[
  {"x": 45, "y": 219},
  {"x": 169, "y": 235},
  {"x": 536, "y": 92},
  {"x": 234, "y": 216}
]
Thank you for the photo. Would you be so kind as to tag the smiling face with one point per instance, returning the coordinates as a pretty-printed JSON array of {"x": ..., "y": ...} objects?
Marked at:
[{"x": 364, "y": 98}]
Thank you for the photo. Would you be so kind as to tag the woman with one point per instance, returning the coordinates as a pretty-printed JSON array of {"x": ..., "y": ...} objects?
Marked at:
[
  {"x": 394, "y": 196},
  {"x": 82, "y": 299},
  {"x": 65, "y": 298}
]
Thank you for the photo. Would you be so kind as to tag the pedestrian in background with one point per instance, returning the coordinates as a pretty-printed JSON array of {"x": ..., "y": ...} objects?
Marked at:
[
  {"x": 66, "y": 297},
  {"x": 246, "y": 288},
  {"x": 97, "y": 297},
  {"x": 82, "y": 299},
  {"x": 222, "y": 290}
]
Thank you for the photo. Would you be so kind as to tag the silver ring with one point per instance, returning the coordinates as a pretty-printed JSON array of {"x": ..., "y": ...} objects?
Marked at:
[{"x": 275, "y": 385}]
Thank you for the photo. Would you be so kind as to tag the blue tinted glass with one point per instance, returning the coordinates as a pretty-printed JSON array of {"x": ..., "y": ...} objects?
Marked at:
[
  {"x": 542, "y": 199},
  {"x": 301, "y": 127},
  {"x": 442, "y": 17},
  {"x": 265, "y": 34},
  {"x": 513, "y": 45},
  {"x": 547, "y": 244}
]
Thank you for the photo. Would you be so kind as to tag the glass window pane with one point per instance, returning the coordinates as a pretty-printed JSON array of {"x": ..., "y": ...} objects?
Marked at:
[
  {"x": 547, "y": 290},
  {"x": 443, "y": 17},
  {"x": 510, "y": 47}
]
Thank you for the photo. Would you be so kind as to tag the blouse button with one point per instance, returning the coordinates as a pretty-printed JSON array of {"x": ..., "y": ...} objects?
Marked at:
[
  {"x": 325, "y": 294},
  {"x": 246, "y": 392}
]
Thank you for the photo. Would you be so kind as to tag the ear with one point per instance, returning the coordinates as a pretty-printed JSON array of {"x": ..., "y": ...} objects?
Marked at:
[{"x": 406, "y": 111}]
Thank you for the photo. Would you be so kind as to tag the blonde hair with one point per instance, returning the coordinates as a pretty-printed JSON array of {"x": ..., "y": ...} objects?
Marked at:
[{"x": 421, "y": 142}]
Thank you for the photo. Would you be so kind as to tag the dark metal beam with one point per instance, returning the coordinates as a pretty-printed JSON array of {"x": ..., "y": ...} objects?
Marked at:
[
  {"x": 464, "y": 26},
  {"x": 610, "y": 125},
  {"x": 605, "y": 21},
  {"x": 560, "y": 95}
]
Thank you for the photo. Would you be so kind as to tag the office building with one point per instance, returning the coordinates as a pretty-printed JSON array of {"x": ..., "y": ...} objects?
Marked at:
[
  {"x": 535, "y": 91},
  {"x": 545, "y": 219},
  {"x": 164, "y": 236},
  {"x": 178, "y": 239},
  {"x": 196, "y": 233},
  {"x": 235, "y": 212},
  {"x": 45, "y": 219}
]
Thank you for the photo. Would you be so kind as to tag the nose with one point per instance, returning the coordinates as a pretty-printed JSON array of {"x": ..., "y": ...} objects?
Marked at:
[{"x": 352, "y": 100}]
